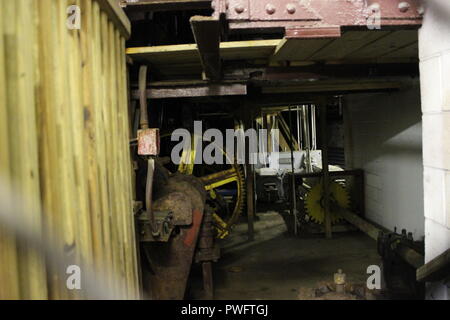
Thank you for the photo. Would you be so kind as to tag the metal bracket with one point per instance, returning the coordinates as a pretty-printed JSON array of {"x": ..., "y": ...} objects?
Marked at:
[{"x": 160, "y": 231}]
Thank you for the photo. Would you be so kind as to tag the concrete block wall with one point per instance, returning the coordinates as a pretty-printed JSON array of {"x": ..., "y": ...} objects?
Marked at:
[
  {"x": 434, "y": 54},
  {"x": 386, "y": 141}
]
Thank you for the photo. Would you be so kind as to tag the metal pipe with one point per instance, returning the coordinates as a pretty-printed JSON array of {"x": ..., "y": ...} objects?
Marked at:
[
  {"x": 298, "y": 126},
  {"x": 313, "y": 127},
  {"x": 306, "y": 137},
  {"x": 410, "y": 256},
  {"x": 274, "y": 126},
  {"x": 144, "y": 123},
  {"x": 294, "y": 200}
]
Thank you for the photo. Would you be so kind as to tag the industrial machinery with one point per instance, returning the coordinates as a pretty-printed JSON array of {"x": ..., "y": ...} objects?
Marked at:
[
  {"x": 225, "y": 184},
  {"x": 290, "y": 174},
  {"x": 169, "y": 230}
]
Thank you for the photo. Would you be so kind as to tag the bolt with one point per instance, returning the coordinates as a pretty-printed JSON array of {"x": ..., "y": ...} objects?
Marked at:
[
  {"x": 239, "y": 9},
  {"x": 375, "y": 7},
  {"x": 403, "y": 6},
  {"x": 421, "y": 10},
  {"x": 291, "y": 8},
  {"x": 270, "y": 9}
]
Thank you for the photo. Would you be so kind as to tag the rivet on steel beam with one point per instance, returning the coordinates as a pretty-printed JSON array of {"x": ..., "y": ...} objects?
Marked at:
[
  {"x": 403, "y": 6},
  {"x": 270, "y": 9},
  {"x": 375, "y": 7},
  {"x": 291, "y": 8},
  {"x": 239, "y": 8},
  {"x": 421, "y": 10}
]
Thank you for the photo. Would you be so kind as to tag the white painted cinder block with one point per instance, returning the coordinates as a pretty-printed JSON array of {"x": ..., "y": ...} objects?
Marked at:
[
  {"x": 431, "y": 84},
  {"x": 436, "y": 140},
  {"x": 438, "y": 291},
  {"x": 434, "y": 34},
  {"x": 447, "y": 195},
  {"x": 445, "y": 80},
  {"x": 436, "y": 194},
  {"x": 437, "y": 239}
]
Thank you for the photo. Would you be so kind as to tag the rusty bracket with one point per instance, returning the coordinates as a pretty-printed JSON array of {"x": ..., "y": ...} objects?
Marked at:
[{"x": 158, "y": 231}]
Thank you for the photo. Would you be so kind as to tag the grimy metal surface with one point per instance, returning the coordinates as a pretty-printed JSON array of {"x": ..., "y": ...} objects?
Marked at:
[
  {"x": 170, "y": 262},
  {"x": 259, "y": 14}
]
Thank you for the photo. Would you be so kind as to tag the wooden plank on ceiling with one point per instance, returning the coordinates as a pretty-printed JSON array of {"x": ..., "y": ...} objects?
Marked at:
[
  {"x": 167, "y": 5},
  {"x": 385, "y": 45},
  {"x": 410, "y": 51},
  {"x": 248, "y": 50},
  {"x": 188, "y": 53},
  {"x": 183, "y": 53},
  {"x": 334, "y": 86},
  {"x": 348, "y": 43},
  {"x": 298, "y": 49}
]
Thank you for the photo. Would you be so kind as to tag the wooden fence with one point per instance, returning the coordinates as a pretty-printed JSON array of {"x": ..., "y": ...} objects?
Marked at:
[{"x": 64, "y": 147}]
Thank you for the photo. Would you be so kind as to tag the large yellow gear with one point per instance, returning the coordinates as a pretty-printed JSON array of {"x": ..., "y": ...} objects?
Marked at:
[
  {"x": 216, "y": 180},
  {"x": 314, "y": 202}
]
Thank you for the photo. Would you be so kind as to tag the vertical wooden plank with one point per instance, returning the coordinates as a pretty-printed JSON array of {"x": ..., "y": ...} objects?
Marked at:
[
  {"x": 90, "y": 103},
  {"x": 20, "y": 40},
  {"x": 109, "y": 163},
  {"x": 116, "y": 189},
  {"x": 65, "y": 141},
  {"x": 76, "y": 119},
  {"x": 99, "y": 106},
  {"x": 128, "y": 171},
  {"x": 48, "y": 134},
  {"x": 9, "y": 276},
  {"x": 125, "y": 160},
  {"x": 70, "y": 207},
  {"x": 122, "y": 223}
]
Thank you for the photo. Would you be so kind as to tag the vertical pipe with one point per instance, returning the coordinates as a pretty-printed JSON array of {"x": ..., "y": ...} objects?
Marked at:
[
  {"x": 298, "y": 127},
  {"x": 143, "y": 96},
  {"x": 294, "y": 200},
  {"x": 250, "y": 191},
  {"x": 325, "y": 172},
  {"x": 313, "y": 127},
  {"x": 274, "y": 126},
  {"x": 265, "y": 143},
  {"x": 306, "y": 138}
]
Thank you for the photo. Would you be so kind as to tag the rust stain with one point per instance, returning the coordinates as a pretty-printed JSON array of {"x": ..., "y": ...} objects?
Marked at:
[{"x": 192, "y": 233}]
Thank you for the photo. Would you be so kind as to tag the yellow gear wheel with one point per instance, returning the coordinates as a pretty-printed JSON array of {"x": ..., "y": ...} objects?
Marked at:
[
  {"x": 314, "y": 202},
  {"x": 235, "y": 175}
]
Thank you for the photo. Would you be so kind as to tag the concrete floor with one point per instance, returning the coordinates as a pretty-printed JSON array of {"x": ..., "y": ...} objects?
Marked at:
[{"x": 276, "y": 265}]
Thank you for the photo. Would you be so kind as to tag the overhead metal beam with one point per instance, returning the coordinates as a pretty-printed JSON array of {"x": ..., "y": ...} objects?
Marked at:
[{"x": 281, "y": 14}]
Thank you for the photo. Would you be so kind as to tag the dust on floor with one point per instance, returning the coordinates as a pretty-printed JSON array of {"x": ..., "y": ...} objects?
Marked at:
[{"x": 277, "y": 265}]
